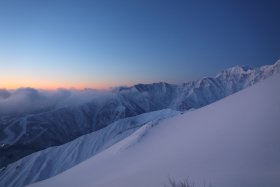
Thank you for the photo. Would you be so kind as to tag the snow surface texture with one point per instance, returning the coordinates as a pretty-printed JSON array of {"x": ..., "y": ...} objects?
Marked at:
[
  {"x": 23, "y": 134},
  {"x": 232, "y": 142},
  {"x": 54, "y": 160}
]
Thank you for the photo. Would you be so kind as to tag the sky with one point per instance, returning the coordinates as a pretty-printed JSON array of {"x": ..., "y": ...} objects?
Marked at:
[{"x": 106, "y": 43}]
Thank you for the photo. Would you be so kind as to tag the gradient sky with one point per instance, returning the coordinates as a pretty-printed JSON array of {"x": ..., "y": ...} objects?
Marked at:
[{"x": 102, "y": 43}]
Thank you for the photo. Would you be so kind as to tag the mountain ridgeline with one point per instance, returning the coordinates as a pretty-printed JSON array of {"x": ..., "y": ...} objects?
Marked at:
[
  {"x": 26, "y": 134},
  {"x": 232, "y": 142}
]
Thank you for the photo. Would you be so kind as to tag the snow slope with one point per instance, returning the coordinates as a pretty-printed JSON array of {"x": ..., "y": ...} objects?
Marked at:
[
  {"x": 231, "y": 143},
  {"x": 54, "y": 160}
]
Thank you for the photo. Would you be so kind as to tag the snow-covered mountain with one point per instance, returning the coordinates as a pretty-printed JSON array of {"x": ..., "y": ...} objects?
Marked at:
[
  {"x": 54, "y": 160},
  {"x": 232, "y": 142},
  {"x": 21, "y": 136}
]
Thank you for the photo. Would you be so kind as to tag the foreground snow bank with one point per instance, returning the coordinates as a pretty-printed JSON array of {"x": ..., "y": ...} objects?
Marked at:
[
  {"x": 233, "y": 142},
  {"x": 54, "y": 160}
]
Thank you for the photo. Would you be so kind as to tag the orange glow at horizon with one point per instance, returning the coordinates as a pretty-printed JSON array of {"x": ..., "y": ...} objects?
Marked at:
[{"x": 46, "y": 85}]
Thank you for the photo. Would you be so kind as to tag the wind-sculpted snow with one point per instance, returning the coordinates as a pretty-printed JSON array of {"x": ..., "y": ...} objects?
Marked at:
[
  {"x": 44, "y": 119},
  {"x": 232, "y": 142},
  {"x": 52, "y": 161}
]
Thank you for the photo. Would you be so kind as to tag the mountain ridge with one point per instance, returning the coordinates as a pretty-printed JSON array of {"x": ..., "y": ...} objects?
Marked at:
[{"x": 25, "y": 135}]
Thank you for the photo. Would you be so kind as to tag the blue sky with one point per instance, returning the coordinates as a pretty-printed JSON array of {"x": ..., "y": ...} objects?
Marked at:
[{"x": 82, "y": 43}]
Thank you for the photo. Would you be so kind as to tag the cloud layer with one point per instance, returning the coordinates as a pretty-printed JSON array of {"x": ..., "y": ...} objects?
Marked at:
[{"x": 30, "y": 100}]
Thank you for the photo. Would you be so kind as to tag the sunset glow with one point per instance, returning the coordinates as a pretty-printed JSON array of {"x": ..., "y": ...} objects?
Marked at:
[
  {"x": 14, "y": 83},
  {"x": 100, "y": 44}
]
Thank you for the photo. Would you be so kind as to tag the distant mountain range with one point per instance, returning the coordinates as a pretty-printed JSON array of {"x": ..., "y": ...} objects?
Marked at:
[{"x": 23, "y": 134}]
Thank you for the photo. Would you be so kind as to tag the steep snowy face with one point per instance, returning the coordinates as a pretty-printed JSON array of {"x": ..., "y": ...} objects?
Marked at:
[
  {"x": 195, "y": 94},
  {"x": 54, "y": 160},
  {"x": 23, "y": 135},
  {"x": 232, "y": 142},
  {"x": 159, "y": 95},
  {"x": 202, "y": 92},
  {"x": 239, "y": 77}
]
